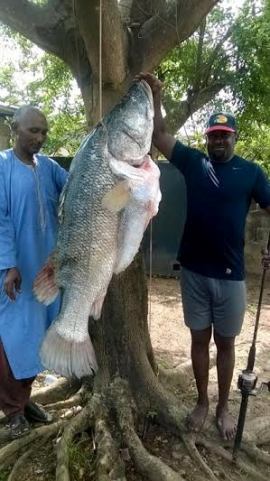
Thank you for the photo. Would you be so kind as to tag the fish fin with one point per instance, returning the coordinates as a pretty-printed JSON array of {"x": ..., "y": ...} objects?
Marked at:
[
  {"x": 96, "y": 307},
  {"x": 67, "y": 357},
  {"x": 117, "y": 198},
  {"x": 45, "y": 287},
  {"x": 126, "y": 171}
]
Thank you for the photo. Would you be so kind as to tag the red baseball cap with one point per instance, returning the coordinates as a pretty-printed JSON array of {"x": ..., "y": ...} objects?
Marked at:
[{"x": 221, "y": 121}]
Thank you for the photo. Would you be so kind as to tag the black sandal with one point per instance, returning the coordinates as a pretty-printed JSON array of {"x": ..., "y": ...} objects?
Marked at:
[
  {"x": 36, "y": 413},
  {"x": 18, "y": 426}
]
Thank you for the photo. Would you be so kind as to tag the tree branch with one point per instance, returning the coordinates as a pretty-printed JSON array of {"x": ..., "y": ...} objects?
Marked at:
[
  {"x": 199, "y": 54},
  {"x": 52, "y": 27},
  {"x": 43, "y": 25},
  {"x": 179, "y": 112},
  {"x": 216, "y": 52},
  {"x": 171, "y": 25},
  {"x": 143, "y": 10}
]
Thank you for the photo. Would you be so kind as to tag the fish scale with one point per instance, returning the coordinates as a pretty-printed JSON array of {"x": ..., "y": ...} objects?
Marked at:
[{"x": 111, "y": 194}]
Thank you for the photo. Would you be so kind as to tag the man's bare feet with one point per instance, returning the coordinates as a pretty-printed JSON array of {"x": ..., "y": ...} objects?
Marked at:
[
  {"x": 196, "y": 419},
  {"x": 225, "y": 424}
]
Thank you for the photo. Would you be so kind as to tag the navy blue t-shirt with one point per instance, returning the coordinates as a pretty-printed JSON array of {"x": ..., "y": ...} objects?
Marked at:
[{"x": 218, "y": 199}]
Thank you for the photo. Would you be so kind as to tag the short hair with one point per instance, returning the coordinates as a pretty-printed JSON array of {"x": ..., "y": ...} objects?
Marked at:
[{"x": 21, "y": 111}]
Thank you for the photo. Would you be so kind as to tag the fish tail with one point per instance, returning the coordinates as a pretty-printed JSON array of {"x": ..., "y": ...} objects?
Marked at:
[
  {"x": 45, "y": 287},
  {"x": 67, "y": 357}
]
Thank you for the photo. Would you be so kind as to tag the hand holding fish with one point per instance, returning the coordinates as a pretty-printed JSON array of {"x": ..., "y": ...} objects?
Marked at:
[{"x": 154, "y": 83}]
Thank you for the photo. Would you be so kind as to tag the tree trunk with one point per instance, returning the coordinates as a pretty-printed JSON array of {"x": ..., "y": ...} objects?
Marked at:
[{"x": 121, "y": 338}]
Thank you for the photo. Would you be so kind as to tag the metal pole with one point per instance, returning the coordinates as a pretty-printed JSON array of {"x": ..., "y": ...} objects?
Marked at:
[
  {"x": 241, "y": 424},
  {"x": 247, "y": 380}
]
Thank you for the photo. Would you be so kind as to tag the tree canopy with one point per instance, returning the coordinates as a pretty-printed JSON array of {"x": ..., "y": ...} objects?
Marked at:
[
  {"x": 223, "y": 65},
  {"x": 136, "y": 35}
]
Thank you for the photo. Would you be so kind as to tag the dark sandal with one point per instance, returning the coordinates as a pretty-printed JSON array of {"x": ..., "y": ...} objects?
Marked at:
[
  {"x": 18, "y": 426},
  {"x": 35, "y": 413}
]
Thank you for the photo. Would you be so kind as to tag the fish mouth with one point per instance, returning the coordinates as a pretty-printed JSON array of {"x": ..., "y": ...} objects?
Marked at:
[{"x": 137, "y": 164}]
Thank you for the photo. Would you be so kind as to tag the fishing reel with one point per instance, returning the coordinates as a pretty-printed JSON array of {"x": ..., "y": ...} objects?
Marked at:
[{"x": 247, "y": 381}]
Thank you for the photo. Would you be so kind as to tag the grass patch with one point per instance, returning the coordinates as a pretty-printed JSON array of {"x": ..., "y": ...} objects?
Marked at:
[
  {"x": 4, "y": 474},
  {"x": 82, "y": 461}
]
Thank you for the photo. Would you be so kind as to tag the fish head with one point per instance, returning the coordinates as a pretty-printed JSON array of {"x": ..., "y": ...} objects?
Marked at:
[{"x": 130, "y": 125}]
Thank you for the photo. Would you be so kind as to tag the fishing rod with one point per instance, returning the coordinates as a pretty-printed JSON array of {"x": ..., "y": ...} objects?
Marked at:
[{"x": 247, "y": 380}]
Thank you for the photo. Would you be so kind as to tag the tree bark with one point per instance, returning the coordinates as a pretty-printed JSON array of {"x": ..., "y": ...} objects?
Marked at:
[{"x": 121, "y": 338}]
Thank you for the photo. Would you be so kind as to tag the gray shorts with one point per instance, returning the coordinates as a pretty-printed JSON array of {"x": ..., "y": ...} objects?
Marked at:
[{"x": 208, "y": 301}]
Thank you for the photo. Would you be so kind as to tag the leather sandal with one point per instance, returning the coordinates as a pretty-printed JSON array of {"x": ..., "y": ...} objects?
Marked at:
[
  {"x": 18, "y": 426},
  {"x": 36, "y": 413}
]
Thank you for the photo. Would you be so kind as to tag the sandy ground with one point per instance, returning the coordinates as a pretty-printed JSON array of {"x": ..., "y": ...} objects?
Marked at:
[{"x": 171, "y": 338}]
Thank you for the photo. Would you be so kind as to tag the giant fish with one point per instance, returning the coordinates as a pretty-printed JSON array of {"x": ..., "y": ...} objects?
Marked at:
[{"x": 111, "y": 194}]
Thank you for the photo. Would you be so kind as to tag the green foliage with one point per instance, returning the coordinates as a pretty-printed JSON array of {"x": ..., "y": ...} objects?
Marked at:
[
  {"x": 256, "y": 146},
  {"x": 240, "y": 62},
  {"x": 39, "y": 2},
  {"x": 197, "y": 141},
  {"x": 37, "y": 78},
  {"x": 251, "y": 88},
  {"x": 3, "y": 475},
  {"x": 195, "y": 64}
]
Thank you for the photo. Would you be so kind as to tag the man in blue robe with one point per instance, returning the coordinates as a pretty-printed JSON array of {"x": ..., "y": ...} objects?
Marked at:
[{"x": 30, "y": 185}]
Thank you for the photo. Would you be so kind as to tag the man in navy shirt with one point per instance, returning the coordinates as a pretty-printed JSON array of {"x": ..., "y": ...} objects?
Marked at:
[{"x": 220, "y": 187}]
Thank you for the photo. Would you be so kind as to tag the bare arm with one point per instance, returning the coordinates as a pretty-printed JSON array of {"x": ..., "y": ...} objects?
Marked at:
[{"x": 164, "y": 141}]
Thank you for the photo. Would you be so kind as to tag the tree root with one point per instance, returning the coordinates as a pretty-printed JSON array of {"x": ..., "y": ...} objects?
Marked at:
[
  {"x": 159, "y": 399},
  {"x": 181, "y": 375},
  {"x": 81, "y": 422},
  {"x": 9, "y": 452},
  {"x": 190, "y": 444},
  {"x": 146, "y": 464},
  {"x": 256, "y": 454},
  {"x": 111, "y": 416},
  {"x": 14, "y": 475},
  {"x": 58, "y": 391},
  {"x": 109, "y": 464},
  {"x": 242, "y": 465},
  {"x": 4, "y": 436},
  {"x": 67, "y": 403},
  {"x": 20, "y": 463}
]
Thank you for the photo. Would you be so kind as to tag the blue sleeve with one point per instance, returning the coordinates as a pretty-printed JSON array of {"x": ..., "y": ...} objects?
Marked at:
[
  {"x": 60, "y": 176},
  {"x": 7, "y": 233},
  {"x": 182, "y": 156},
  {"x": 261, "y": 189}
]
